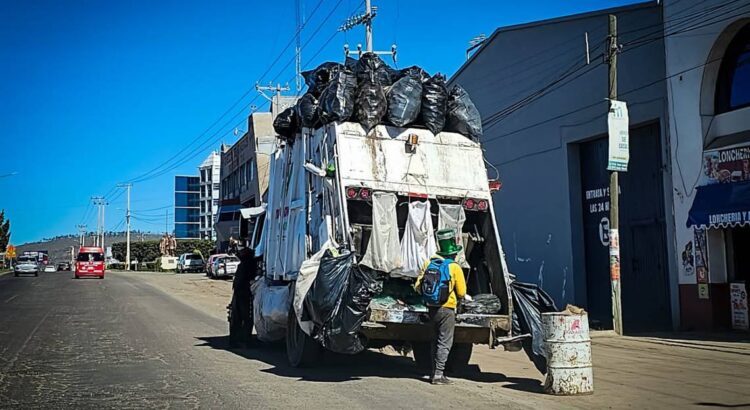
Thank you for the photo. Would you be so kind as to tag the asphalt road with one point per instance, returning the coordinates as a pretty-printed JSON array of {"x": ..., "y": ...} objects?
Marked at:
[{"x": 121, "y": 343}]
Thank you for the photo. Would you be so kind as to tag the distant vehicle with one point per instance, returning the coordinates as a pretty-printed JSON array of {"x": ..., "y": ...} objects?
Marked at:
[
  {"x": 26, "y": 264},
  {"x": 50, "y": 268},
  {"x": 225, "y": 266},
  {"x": 90, "y": 262},
  {"x": 210, "y": 263},
  {"x": 63, "y": 266},
  {"x": 41, "y": 257},
  {"x": 190, "y": 262}
]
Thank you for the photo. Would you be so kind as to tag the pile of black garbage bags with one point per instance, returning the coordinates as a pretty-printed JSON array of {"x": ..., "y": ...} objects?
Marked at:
[{"x": 370, "y": 92}]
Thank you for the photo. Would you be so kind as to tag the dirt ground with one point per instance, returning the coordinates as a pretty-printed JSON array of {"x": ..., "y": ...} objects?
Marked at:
[{"x": 664, "y": 371}]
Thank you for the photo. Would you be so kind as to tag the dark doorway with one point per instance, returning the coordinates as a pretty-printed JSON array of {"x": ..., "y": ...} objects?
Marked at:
[{"x": 645, "y": 291}]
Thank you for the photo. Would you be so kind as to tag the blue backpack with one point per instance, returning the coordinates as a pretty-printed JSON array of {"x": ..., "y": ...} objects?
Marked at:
[{"x": 436, "y": 282}]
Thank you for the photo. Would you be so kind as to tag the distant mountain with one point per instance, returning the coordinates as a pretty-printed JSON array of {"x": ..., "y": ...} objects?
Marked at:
[{"x": 59, "y": 246}]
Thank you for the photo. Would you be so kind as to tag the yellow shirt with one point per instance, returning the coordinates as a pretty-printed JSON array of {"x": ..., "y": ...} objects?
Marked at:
[{"x": 456, "y": 288}]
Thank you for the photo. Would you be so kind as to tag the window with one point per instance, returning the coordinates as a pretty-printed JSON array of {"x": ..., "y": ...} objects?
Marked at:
[
  {"x": 186, "y": 215},
  {"x": 216, "y": 187},
  {"x": 733, "y": 84},
  {"x": 182, "y": 199},
  {"x": 187, "y": 230},
  {"x": 182, "y": 183},
  {"x": 90, "y": 257}
]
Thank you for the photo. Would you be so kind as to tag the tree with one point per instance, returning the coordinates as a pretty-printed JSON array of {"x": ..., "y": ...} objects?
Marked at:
[{"x": 4, "y": 231}]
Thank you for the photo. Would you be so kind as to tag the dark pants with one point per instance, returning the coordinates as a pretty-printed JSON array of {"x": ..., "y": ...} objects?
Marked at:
[{"x": 443, "y": 323}]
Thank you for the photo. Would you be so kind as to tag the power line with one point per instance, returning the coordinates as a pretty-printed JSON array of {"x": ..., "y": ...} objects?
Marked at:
[{"x": 145, "y": 176}]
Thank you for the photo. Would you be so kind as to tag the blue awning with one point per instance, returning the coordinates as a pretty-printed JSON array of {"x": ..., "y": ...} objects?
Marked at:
[{"x": 721, "y": 205}]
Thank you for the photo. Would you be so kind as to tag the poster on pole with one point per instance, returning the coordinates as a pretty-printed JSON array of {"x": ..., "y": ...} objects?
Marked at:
[
  {"x": 738, "y": 300},
  {"x": 619, "y": 138}
]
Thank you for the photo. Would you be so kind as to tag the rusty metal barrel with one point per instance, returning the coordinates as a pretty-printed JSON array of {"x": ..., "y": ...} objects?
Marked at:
[{"x": 568, "y": 347}]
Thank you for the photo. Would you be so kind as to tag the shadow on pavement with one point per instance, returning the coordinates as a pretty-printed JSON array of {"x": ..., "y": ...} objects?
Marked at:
[
  {"x": 733, "y": 406},
  {"x": 370, "y": 363}
]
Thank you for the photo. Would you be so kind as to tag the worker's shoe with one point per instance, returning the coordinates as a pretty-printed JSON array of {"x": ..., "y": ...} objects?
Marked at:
[{"x": 439, "y": 378}]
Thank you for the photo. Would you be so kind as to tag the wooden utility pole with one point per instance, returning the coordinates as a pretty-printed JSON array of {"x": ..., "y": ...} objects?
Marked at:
[{"x": 614, "y": 191}]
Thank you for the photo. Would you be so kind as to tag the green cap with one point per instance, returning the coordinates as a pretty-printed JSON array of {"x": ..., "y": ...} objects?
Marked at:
[{"x": 447, "y": 243}]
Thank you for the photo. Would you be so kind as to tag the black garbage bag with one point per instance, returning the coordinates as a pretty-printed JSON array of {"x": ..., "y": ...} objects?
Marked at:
[
  {"x": 416, "y": 72},
  {"x": 338, "y": 301},
  {"x": 370, "y": 105},
  {"x": 286, "y": 124},
  {"x": 463, "y": 116},
  {"x": 434, "y": 103},
  {"x": 317, "y": 80},
  {"x": 370, "y": 67},
  {"x": 404, "y": 101},
  {"x": 529, "y": 302},
  {"x": 483, "y": 304},
  {"x": 337, "y": 100},
  {"x": 307, "y": 110}
]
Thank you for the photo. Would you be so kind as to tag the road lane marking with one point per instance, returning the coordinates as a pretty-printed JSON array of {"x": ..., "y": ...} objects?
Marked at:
[
  {"x": 11, "y": 298},
  {"x": 12, "y": 361}
]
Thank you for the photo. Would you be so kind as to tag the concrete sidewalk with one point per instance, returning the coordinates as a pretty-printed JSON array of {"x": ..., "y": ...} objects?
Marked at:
[{"x": 661, "y": 371}]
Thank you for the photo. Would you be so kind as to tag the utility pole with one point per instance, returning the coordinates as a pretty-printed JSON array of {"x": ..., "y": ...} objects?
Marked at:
[
  {"x": 99, "y": 201},
  {"x": 614, "y": 191},
  {"x": 298, "y": 47},
  {"x": 277, "y": 92},
  {"x": 127, "y": 232},
  {"x": 81, "y": 235},
  {"x": 368, "y": 25}
]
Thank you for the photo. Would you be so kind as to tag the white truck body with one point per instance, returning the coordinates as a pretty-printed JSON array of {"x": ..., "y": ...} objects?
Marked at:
[{"x": 308, "y": 209}]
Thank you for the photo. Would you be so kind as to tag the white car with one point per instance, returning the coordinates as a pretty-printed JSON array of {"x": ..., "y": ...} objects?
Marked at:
[
  {"x": 50, "y": 268},
  {"x": 225, "y": 266}
]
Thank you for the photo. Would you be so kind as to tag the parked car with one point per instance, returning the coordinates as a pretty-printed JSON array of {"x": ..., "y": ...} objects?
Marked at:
[
  {"x": 225, "y": 266},
  {"x": 26, "y": 264},
  {"x": 63, "y": 266},
  {"x": 210, "y": 263},
  {"x": 50, "y": 268},
  {"x": 90, "y": 262},
  {"x": 190, "y": 262}
]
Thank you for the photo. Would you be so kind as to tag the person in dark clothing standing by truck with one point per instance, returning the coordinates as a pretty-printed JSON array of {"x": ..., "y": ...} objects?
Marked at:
[
  {"x": 442, "y": 285},
  {"x": 240, "y": 316}
]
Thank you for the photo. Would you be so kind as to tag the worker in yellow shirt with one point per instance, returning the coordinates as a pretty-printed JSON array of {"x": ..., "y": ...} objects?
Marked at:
[{"x": 442, "y": 284}]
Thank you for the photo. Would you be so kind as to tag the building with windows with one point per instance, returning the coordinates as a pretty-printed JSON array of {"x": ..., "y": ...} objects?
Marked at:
[
  {"x": 707, "y": 46},
  {"x": 187, "y": 207},
  {"x": 244, "y": 175},
  {"x": 684, "y": 72},
  {"x": 209, "y": 173}
]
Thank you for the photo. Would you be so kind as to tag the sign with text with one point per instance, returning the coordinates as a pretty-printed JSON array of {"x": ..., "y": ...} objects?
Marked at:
[
  {"x": 726, "y": 165},
  {"x": 619, "y": 137}
]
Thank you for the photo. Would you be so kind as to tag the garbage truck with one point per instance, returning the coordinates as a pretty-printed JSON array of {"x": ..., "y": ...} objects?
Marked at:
[{"x": 347, "y": 224}]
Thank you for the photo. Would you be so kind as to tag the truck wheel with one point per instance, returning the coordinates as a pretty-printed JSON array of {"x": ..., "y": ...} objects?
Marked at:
[
  {"x": 301, "y": 349},
  {"x": 422, "y": 355},
  {"x": 458, "y": 359}
]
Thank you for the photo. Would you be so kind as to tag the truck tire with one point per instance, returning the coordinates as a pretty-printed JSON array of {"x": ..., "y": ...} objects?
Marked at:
[
  {"x": 458, "y": 359},
  {"x": 301, "y": 349},
  {"x": 422, "y": 355}
]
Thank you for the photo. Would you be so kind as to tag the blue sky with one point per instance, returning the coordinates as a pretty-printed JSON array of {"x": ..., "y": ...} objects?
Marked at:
[{"x": 100, "y": 92}]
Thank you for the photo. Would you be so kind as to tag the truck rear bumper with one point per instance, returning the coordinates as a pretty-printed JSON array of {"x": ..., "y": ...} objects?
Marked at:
[{"x": 385, "y": 324}]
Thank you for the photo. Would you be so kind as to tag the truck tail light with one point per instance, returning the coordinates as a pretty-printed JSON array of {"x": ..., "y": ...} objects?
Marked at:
[
  {"x": 475, "y": 204},
  {"x": 364, "y": 194},
  {"x": 495, "y": 185}
]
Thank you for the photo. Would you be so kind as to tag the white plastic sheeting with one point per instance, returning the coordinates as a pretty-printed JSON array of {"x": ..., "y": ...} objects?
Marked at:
[
  {"x": 383, "y": 250},
  {"x": 418, "y": 243},
  {"x": 307, "y": 274},
  {"x": 270, "y": 310},
  {"x": 453, "y": 217},
  {"x": 284, "y": 234}
]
